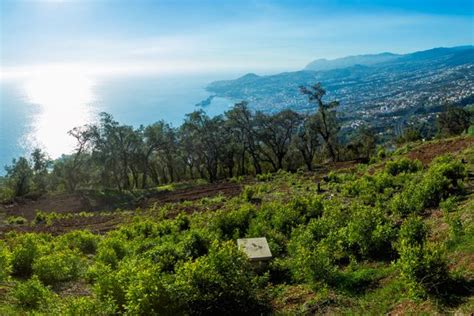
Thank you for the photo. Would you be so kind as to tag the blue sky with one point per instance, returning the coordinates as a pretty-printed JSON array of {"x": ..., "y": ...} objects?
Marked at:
[{"x": 199, "y": 36}]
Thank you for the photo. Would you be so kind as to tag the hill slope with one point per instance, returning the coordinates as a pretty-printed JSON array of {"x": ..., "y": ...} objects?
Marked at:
[{"x": 365, "y": 242}]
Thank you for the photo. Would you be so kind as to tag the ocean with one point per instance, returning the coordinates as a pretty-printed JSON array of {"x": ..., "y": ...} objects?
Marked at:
[{"x": 38, "y": 112}]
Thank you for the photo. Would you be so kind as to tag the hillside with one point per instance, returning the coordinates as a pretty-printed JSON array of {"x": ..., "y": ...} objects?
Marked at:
[
  {"x": 363, "y": 242},
  {"x": 385, "y": 91}
]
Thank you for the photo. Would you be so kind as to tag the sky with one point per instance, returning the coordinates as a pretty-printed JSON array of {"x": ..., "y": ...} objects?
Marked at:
[{"x": 145, "y": 36}]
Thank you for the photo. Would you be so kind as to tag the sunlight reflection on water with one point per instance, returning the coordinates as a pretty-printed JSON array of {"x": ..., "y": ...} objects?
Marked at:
[{"x": 64, "y": 100}]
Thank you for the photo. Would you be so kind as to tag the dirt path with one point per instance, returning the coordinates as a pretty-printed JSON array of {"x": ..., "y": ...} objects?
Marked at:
[
  {"x": 99, "y": 223},
  {"x": 62, "y": 203},
  {"x": 195, "y": 193}
]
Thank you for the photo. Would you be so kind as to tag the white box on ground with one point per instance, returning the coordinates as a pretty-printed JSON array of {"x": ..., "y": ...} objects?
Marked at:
[{"x": 255, "y": 248}]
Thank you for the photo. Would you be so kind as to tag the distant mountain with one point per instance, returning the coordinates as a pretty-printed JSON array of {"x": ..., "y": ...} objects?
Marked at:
[
  {"x": 364, "y": 60},
  {"x": 384, "y": 90}
]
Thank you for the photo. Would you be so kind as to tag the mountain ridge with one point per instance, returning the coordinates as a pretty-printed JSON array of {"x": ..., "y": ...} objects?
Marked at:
[
  {"x": 322, "y": 64},
  {"x": 343, "y": 62}
]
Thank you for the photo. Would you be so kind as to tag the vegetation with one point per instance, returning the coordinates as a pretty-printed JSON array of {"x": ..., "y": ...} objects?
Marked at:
[
  {"x": 110, "y": 156},
  {"x": 361, "y": 243},
  {"x": 383, "y": 235}
]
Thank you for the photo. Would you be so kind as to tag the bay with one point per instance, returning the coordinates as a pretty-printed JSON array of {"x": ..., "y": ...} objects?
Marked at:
[{"x": 38, "y": 112}]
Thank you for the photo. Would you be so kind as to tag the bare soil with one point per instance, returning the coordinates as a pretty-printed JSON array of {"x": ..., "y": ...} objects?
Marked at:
[
  {"x": 426, "y": 153},
  {"x": 196, "y": 193}
]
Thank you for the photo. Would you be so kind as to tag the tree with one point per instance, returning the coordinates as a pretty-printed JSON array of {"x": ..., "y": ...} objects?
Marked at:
[
  {"x": 363, "y": 143},
  {"x": 169, "y": 152},
  {"x": 232, "y": 149},
  {"x": 186, "y": 150},
  {"x": 410, "y": 134},
  {"x": 453, "y": 121},
  {"x": 155, "y": 138},
  {"x": 115, "y": 148},
  {"x": 307, "y": 141},
  {"x": 71, "y": 169},
  {"x": 207, "y": 138},
  {"x": 328, "y": 125},
  {"x": 40, "y": 166},
  {"x": 276, "y": 132},
  {"x": 19, "y": 176},
  {"x": 244, "y": 127}
]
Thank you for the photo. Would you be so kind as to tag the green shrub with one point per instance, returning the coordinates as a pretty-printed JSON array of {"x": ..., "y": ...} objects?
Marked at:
[
  {"x": 111, "y": 250},
  {"x": 315, "y": 265},
  {"x": 31, "y": 294},
  {"x": 456, "y": 229},
  {"x": 333, "y": 177},
  {"x": 144, "y": 228},
  {"x": 264, "y": 177},
  {"x": 153, "y": 294},
  {"x": 280, "y": 270},
  {"x": 57, "y": 267},
  {"x": 220, "y": 283},
  {"x": 195, "y": 243},
  {"x": 448, "y": 205},
  {"x": 45, "y": 218},
  {"x": 17, "y": 220},
  {"x": 233, "y": 224},
  {"x": 423, "y": 267},
  {"x": 248, "y": 193},
  {"x": 285, "y": 218},
  {"x": 181, "y": 222},
  {"x": 381, "y": 153},
  {"x": 440, "y": 181},
  {"x": 308, "y": 207},
  {"x": 356, "y": 280},
  {"x": 407, "y": 202},
  {"x": 369, "y": 234},
  {"x": 470, "y": 131},
  {"x": 371, "y": 189},
  {"x": 88, "y": 306},
  {"x": 84, "y": 241},
  {"x": 111, "y": 285},
  {"x": 450, "y": 168},
  {"x": 413, "y": 231},
  {"x": 276, "y": 239},
  {"x": 165, "y": 256},
  {"x": 402, "y": 165},
  {"x": 5, "y": 261},
  {"x": 236, "y": 179},
  {"x": 95, "y": 270},
  {"x": 7, "y": 194},
  {"x": 315, "y": 249},
  {"x": 26, "y": 248}
]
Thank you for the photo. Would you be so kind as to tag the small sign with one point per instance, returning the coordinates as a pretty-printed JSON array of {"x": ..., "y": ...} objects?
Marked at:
[{"x": 255, "y": 248}]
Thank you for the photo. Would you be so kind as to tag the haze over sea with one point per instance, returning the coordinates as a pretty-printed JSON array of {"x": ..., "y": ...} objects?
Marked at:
[{"x": 39, "y": 111}]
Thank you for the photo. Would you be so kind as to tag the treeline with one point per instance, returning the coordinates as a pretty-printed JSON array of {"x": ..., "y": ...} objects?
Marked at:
[{"x": 240, "y": 142}]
